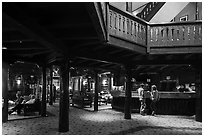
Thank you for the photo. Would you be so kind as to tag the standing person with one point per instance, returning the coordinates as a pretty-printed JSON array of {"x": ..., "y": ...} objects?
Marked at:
[
  {"x": 142, "y": 99},
  {"x": 154, "y": 96}
]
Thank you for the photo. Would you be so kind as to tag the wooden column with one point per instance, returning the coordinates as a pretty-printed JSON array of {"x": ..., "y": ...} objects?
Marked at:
[
  {"x": 64, "y": 98},
  {"x": 96, "y": 91},
  {"x": 110, "y": 82},
  {"x": 129, "y": 7},
  {"x": 198, "y": 86},
  {"x": 51, "y": 86},
  {"x": 128, "y": 94},
  {"x": 5, "y": 92},
  {"x": 89, "y": 85},
  {"x": 43, "y": 105}
]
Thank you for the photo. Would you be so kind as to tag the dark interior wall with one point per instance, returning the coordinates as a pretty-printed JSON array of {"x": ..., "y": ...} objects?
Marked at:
[{"x": 183, "y": 75}]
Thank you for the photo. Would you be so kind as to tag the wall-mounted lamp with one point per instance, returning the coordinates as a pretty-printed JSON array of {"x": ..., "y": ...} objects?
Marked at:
[
  {"x": 148, "y": 80},
  {"x": 18, "y": 81}
]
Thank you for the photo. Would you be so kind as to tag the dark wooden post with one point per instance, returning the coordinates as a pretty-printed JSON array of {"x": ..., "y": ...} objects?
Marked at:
[
  {"x": 51, "y": 86},
  {"x": 5, "y": 92},
  {"x": 128, "y": 94},
  {"x": 129, "y": 7},
  {"x": 110, "y": 82},
  {"x": 198, "y": 86},
  {"x": 96, "y": 91},
  {"x": 196, "y": 13},
  {"x": 64, "y": 98},
  {"x": 43, "y": 107},
  {"x": 89, "y": 84}
]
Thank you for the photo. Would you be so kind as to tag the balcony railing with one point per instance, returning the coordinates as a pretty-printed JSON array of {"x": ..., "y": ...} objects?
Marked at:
[
  {"x": 125, "y": 26},
  {"x": 175, "y": 34}
]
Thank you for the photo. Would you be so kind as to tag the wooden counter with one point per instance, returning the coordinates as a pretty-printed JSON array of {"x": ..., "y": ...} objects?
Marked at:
[{"x": 171, "y": 103}]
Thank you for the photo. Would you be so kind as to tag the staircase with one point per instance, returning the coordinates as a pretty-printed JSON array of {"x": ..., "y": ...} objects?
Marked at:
[{"x": 150, "y": 10}]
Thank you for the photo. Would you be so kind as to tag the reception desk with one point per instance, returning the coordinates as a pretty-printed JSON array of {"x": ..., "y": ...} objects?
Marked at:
[{"x": 170, "y": 103}]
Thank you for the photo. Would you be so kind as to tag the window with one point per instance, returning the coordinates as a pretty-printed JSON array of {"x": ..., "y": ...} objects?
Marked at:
[{"x": 184, "y": 18}]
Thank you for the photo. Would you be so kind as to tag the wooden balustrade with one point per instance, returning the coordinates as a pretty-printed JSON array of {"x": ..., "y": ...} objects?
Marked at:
[
  {"x": 126, "y": 26},
  {"x": 175, "y": 34}
]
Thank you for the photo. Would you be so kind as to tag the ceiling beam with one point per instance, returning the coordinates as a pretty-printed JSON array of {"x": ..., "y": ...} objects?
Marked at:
[
  {"x": 8, "y": 28},
  {"x": 23, "y": 45},
  {"x": 116, "y": 51},
  {"x": 17, "y": 40},
  {"x": 31, "y": 52},
  {"x": 80, "y": 38},
  {"x": 31, "y": 28},
  {"x": 69, "y": 25},
  {"x": 97, "y": 19},
  {"x": 79, "y": 47}
]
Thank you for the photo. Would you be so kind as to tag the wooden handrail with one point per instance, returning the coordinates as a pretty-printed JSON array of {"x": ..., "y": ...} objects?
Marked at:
[
  {"x": 123, "y": 25},
  {"x": 175, "y": 23},
  {"x": 175, "y": 34},
  {"x": 126, "y": 26},
  {"x": 127, "y": 14}
]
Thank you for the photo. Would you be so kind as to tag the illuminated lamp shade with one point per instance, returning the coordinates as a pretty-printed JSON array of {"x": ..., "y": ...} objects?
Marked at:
[
  {"x": 168, "y": 77},
  {"x": 18, "y": 81},
  {"x": 104, "y": 82},
  {"x": 148, "y": 80},
  {"x": 84, "y": 82}
]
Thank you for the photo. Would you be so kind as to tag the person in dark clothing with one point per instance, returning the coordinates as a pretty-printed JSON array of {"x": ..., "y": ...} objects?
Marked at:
[
  {"x": 154, "y": 96},
  {"x": 18, "y": 106}
]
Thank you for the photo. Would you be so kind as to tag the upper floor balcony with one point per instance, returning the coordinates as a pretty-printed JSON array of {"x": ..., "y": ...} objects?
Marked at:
[{"x": 131, "y": 32}]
